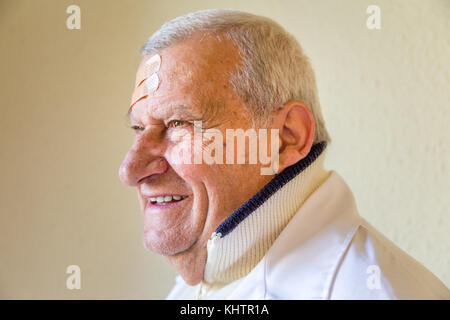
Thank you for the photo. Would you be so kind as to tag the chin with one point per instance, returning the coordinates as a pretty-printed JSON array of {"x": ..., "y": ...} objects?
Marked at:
[{"x": 166, "y": 245}]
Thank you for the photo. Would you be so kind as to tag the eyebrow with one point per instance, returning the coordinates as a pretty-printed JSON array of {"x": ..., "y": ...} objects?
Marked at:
[{"x": 181, "y": 108}]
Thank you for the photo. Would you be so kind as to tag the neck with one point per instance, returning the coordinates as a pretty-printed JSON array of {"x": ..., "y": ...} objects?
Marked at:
[{"x": 241, "y": 241}]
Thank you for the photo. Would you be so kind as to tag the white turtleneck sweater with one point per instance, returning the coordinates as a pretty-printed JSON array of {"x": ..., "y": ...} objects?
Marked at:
[{"x": 231, "y": 257}]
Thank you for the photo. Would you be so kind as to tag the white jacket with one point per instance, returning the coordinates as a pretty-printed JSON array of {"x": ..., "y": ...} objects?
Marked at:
[{"x": 327, "y": 251}]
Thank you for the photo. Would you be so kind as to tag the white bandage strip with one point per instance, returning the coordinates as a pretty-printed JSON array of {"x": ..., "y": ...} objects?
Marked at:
[
  {"x": 150, "y": 66},
  {"x": 147, "y": 80}
]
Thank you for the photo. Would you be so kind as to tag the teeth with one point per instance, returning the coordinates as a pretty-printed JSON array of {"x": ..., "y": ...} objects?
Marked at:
[{"x": 161, "y": 199}]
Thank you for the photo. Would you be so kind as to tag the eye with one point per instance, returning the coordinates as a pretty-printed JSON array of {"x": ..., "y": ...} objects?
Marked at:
[
  {"x": 177, "y": 123},
  {"x": 137, "y": 128}
]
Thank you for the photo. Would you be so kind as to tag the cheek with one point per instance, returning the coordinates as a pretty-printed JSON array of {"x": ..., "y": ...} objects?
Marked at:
[
  {"x": 219, "y": 185},
  {"x": 180, "y": 154},
  {"x": 180, "y": 149}
]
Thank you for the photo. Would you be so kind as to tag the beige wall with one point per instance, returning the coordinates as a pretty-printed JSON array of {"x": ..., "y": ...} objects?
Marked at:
[{"x": 64, "y": 94}]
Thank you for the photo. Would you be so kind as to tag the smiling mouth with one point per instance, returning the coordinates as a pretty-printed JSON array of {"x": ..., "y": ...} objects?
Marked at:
[{"x": 166, "y": 200}]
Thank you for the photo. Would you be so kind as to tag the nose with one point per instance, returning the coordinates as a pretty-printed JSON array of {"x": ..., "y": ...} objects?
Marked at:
[{"x": 145, "y": 158}]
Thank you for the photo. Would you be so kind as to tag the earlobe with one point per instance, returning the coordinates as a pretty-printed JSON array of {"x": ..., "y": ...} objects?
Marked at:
[
  {"x": 296, "y": 134},
  {"x": 288, "y": 157}
]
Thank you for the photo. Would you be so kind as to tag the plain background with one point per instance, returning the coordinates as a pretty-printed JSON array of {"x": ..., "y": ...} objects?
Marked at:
[{"x": 64, "y": 94}]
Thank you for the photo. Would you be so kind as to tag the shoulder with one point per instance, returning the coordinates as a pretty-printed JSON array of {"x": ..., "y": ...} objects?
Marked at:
[
  {"x": 366, "y": 267},
  {"x": 373, "y": 267},
  {"x": 328, "y": 251}
]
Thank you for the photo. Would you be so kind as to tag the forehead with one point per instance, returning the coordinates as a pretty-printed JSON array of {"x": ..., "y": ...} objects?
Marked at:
[
  {"x": 163, "y": 106},
  {"x": 199, "y": 62},
  {"x": 190, "y": 73}
]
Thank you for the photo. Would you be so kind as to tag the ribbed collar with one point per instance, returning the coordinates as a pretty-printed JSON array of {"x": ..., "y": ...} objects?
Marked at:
[
  {"x": 241, "y": 241},
  {"x": 268, "y": 190}
]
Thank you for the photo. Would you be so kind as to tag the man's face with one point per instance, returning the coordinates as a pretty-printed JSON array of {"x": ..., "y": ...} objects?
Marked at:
[{"x": 193, "y": 86}]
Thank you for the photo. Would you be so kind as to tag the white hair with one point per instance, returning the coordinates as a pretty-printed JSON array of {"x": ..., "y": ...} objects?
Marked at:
[{"x": 274, "y": 68}]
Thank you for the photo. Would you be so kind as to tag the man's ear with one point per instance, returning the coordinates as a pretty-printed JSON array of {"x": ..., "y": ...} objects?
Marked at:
[{"x": 297, "y": 126}]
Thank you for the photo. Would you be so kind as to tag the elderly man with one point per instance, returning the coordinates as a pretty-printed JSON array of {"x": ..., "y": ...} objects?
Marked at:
[{"x": 288, "y": 229}]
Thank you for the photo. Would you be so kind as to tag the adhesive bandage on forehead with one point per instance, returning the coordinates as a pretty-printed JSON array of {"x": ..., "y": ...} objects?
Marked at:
[{"x": 147, "y": 80}]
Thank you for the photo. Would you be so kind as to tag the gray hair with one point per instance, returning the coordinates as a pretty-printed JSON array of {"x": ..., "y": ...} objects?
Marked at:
[{"x": 274, "y": 68}]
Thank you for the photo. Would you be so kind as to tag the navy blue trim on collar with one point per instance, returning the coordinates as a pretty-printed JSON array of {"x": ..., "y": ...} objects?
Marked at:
[{"x": 269, "y": 189}]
